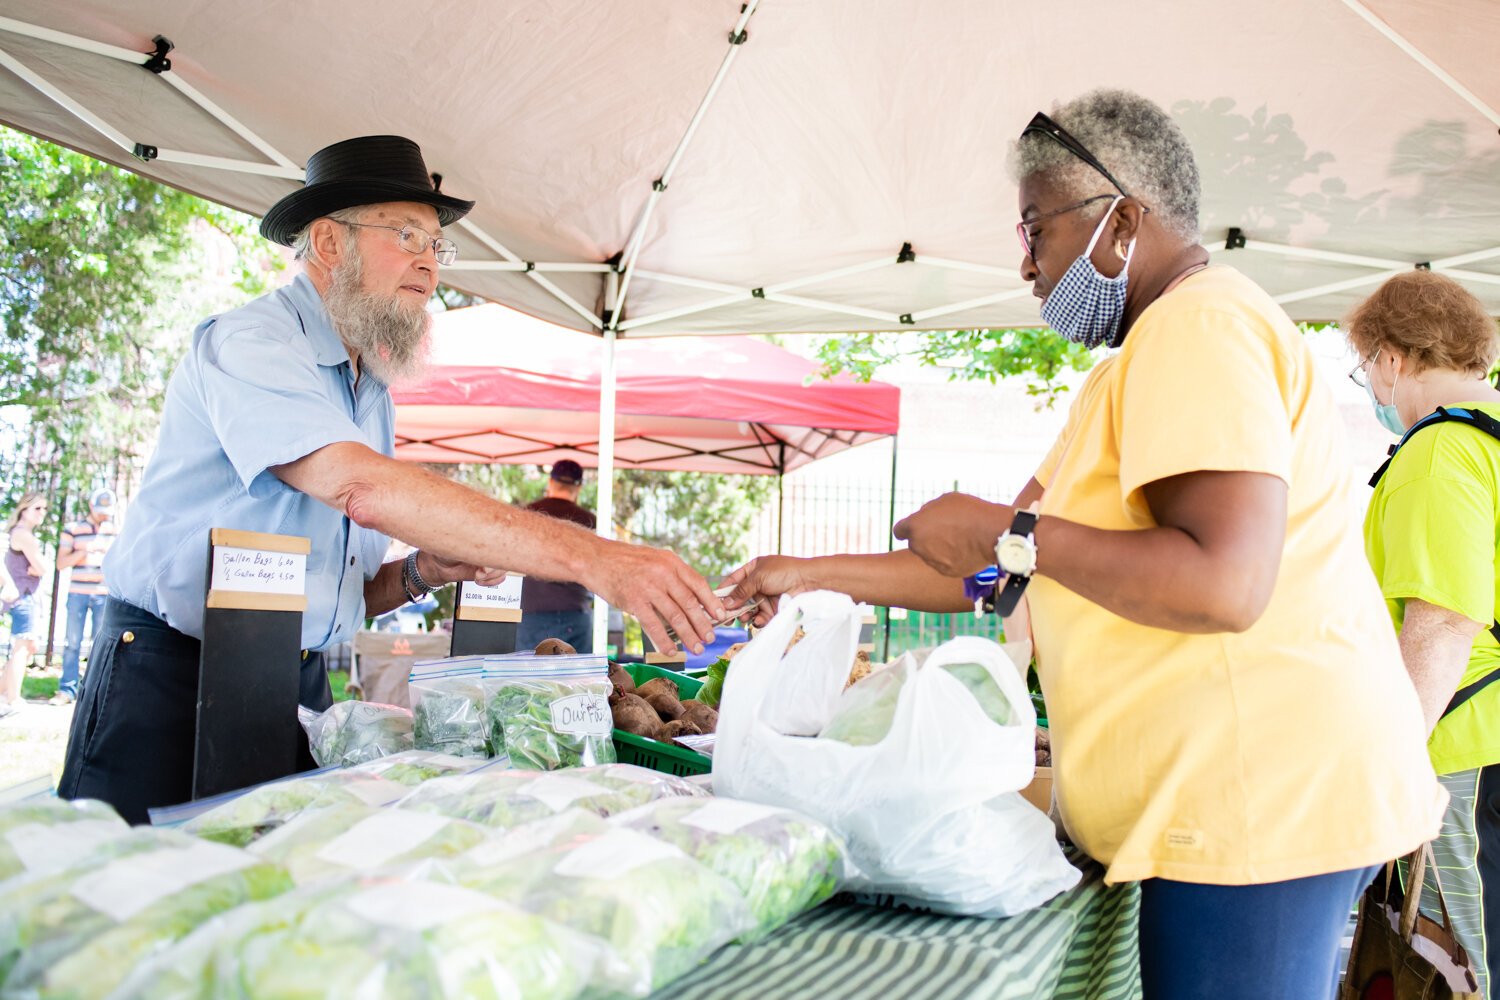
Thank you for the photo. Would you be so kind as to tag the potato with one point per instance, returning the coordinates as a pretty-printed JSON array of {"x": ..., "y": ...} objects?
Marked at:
[
  {"x": 667, "y": 706},
  {"x": 672, "y": 730},
  {"x": 734, "y": 650},
  {"x": 635, "y": 715},
  {"x": 554, "y": 647},
  {"x": 700, "y": 715},
  {"x": 659, "y": 685},
  {"x": 860, "y": 670},
  {"x": 623, "y": 683}
]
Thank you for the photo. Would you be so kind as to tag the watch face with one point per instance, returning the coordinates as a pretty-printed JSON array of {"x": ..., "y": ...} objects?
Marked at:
[{"x": 1016, "y": 554}]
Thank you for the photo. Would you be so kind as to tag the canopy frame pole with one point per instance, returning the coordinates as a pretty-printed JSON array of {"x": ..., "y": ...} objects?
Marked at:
[
  {"x": 521, "y": 266},
  {"x": 984, "y": 300},
  {"x": 605, "y": 515},
  {"x": 540, "y": 279},
  {"x": 67, "y": 103},
  {"x": 780, "y": 496},
  {"x": 737, "y": 37},
  {"x": 890, "y": 543},
  {"x": 1421, "y": 59}
]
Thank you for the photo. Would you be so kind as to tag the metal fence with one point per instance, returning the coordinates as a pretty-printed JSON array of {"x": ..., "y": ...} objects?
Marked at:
[{"x": 827, "y": 517}]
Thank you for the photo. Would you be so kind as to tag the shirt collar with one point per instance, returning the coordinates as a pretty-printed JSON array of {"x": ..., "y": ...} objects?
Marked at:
[{"x": 327, "y": 347}]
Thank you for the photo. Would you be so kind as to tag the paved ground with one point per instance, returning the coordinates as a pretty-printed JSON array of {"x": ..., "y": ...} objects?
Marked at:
[{"x": 32, "y": 741}]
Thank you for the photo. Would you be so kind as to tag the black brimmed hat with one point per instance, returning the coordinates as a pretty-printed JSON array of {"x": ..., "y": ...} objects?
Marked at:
[{"x": 364, "y": 171}]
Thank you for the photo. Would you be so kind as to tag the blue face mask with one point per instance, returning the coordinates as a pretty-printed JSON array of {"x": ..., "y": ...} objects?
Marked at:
[
  {"x": 1085, "y": 306},
  {"x": 1386, "y": 412}
]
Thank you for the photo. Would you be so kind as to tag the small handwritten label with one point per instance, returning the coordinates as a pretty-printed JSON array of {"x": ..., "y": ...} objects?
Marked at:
[
  {"x": 259, "y": 572},
  {"x": 730, "y": 815},
  {"x": 615, "y": 854},
  {"x": 582, "y": 715},
  {"x": 506, "y": 594}
]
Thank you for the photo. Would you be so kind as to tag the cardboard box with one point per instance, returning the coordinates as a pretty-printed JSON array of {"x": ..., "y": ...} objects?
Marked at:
[
  {"x": 383, "y": 660},
  {"x": 1039, "y": 792}
]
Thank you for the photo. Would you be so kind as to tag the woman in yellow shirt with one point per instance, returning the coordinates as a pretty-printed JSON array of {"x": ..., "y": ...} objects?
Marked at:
[
  {"x": 1430, "y": 533},
  {"x": 1231, "y": 723}
]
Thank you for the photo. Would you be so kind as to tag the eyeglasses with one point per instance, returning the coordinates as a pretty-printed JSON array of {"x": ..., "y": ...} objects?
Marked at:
[
  {"x": 1359, "y": 376},
  {"x": 1028, "y": 238},
  {"x": 1046, "y": 126},
  {"x": 414, "y": 241}
]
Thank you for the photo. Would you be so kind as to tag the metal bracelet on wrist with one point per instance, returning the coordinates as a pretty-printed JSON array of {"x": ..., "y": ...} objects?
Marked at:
[{"x": 411, "y": 579}]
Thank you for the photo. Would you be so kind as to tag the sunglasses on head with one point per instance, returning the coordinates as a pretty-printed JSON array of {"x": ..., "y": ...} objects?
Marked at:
[{"x": 1043, "y": 125}]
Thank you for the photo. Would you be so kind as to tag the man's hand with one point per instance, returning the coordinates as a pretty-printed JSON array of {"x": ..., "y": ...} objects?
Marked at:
[
  {"x": 437, "y": 571},
  {"x": 955, "y": 534},
  {"x": 656, "y": 586},
  {"x": 766, "y": 580}
]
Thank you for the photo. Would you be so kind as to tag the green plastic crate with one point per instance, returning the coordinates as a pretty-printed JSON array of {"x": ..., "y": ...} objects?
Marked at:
[{"x": 654, "y": 754}]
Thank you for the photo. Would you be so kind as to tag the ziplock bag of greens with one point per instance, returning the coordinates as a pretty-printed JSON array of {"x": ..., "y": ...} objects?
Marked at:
[
  {"x": 448, "y": 707},
  {"x": 781, "y": 861},
  {"x": 659, "y": 912},
  {"x": 373, "y": 937},
  {"x": 47, "y": 834},
  {"x": 78, "y": 932},
  {"x": 353, "y": 732},
  {"x": 240, "y": 818},
  {"x": 347, "y": 840},
  {"x": 506, "y": 799},
  {"x": 550, "y": 712},
  {"x": 412, "y": 767}
]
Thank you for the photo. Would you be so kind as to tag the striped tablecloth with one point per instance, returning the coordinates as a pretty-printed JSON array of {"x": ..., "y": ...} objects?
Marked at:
[{"x": 1079, "y": 946}]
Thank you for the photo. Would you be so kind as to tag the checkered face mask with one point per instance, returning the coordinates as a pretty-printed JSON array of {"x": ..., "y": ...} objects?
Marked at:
[{"x": 1085, "y": 306}]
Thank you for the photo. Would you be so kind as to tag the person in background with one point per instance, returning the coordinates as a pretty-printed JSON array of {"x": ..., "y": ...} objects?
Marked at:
[
  {"x": 559, "y": 610},
  {"x": 1231, "y": 723},
  {"x": 1430, "y": 534},
  {"x": 81, "y": 549},
  {"x": 24, "y": 565}
]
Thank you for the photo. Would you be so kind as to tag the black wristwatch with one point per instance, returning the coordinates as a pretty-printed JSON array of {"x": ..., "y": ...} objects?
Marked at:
[{"x": 1015, "y": 553}]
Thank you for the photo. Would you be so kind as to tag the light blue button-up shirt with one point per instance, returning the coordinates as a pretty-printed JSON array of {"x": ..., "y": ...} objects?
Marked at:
[{"x": 261, "y": 386}]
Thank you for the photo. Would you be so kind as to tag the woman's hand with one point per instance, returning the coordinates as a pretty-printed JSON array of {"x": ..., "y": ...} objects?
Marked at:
[
  {"x": 766, "y": 580},
  {"x": 955, "y": 534}
]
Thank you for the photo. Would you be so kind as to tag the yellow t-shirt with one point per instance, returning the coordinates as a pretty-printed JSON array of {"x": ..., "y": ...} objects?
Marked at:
[
  {"x": 1292, "y": 749},
  {"x": 1431, "y": 534}
]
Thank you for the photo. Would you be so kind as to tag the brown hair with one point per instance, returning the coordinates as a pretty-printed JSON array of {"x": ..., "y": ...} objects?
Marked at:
[
  {"x": 1431, "y": 319},
  {"x": 27, "y": 499}
]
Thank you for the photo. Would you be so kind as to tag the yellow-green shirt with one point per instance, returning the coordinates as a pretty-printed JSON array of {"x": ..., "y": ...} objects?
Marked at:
[
  {"x": 1292, "y": 749},
  {"x": 1431, "y": 534}
]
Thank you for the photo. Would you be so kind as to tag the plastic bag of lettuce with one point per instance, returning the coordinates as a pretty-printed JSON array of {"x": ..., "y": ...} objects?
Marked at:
[
  {"x": 240, "y": 818},
  {"x": 76, "y": 933},
  {"x": 402, "y": 939},
  {"x": 550, "y": 712},
  {"x": 347, "y": 840},
  {"x": 507, "y": 799},
  {"x": 353, "y": 732},
  {"x": 448, "y": 707},
  {"x": 782, "y": 862},
  {"x": 412, "y": 767},
  {"x": 48, "y": 834},
  {"x": 657, "y": 910}
]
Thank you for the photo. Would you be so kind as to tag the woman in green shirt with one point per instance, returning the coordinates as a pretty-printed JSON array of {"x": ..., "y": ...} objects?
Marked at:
[{"x": 1431, "y": 536}]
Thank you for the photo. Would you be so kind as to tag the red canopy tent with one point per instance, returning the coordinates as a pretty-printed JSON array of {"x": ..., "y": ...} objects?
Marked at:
[{"x": 509, "y": 388}]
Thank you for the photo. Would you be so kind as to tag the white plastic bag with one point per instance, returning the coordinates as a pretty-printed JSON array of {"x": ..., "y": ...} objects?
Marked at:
[
  {"x": 927, "y": 795},
  {"x": 813, "y": 672}
]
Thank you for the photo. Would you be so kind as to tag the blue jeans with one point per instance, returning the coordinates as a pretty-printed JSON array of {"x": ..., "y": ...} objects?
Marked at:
[
  {"x": 576, "y": 628},
  {"x": 81, "y": 608},
  {"x": 1274, "y": 941}
]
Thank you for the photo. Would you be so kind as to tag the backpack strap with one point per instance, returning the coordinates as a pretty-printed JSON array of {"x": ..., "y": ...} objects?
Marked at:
[{"x": 1482, "y": 421}]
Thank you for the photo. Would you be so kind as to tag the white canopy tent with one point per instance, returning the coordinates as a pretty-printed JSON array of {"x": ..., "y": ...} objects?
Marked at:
[{"x": 653, "y": 167}]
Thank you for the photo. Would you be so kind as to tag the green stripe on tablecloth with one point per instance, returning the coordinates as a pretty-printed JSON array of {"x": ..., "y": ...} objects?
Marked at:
[{"x": 1078, "y": 946}]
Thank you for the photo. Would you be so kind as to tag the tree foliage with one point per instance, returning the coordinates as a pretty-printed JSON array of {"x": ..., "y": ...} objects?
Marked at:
[
  {"x": 1036, "y": 353},
  {"x": 704, "y": 518},
  {"x": 102, "y": 279}
]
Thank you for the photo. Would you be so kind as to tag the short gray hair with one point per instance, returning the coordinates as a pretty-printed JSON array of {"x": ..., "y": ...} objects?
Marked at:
[
  {"x": 302, "y": 242},
  {"x": 1135, "y": 139}
]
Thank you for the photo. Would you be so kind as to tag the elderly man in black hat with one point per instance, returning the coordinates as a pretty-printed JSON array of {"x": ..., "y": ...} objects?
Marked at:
[{"x": 279, "y": 420}]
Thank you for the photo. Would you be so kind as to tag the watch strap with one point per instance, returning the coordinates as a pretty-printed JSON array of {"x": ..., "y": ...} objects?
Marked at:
[
  {"x": 1009, "y": 595},
  {"x": 1024, "y": 523}
]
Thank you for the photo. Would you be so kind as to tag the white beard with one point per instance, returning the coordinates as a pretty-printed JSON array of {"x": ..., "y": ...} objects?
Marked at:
[{"x": 389, "y": 333}]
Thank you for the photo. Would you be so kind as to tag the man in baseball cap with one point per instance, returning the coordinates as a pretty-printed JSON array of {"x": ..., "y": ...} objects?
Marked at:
[{"x": 559, "y": 609}]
